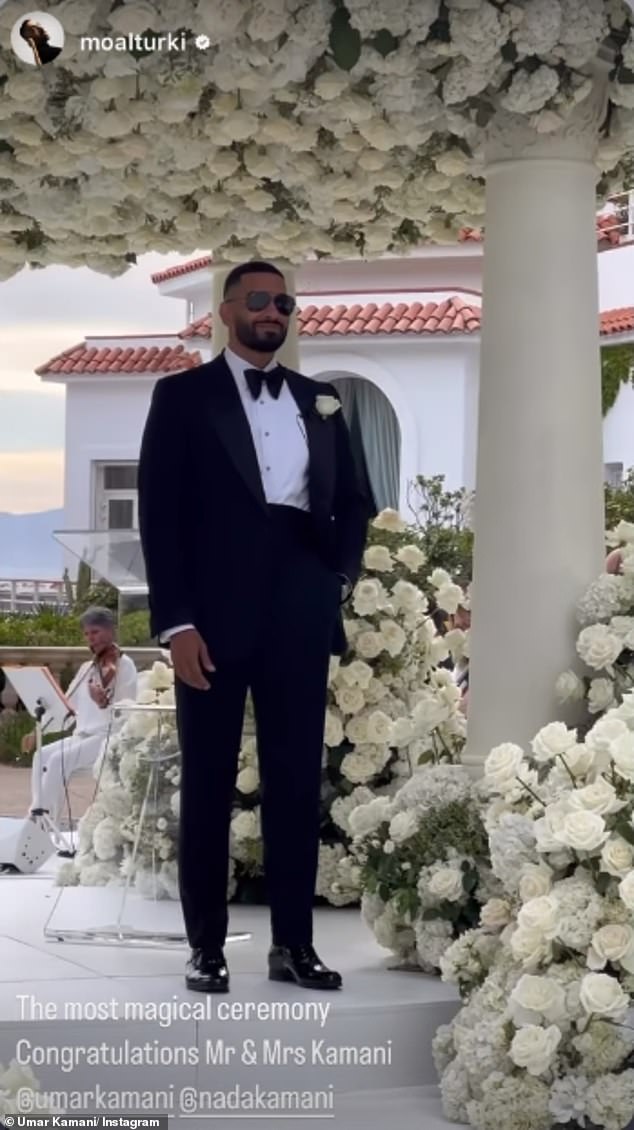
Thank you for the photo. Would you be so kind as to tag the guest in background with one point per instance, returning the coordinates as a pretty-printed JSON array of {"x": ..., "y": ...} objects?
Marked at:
[{"x": 614, "y": 562}]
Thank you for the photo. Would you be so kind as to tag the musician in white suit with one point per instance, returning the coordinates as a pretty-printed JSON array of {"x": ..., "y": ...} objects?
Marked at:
[{"x": 109, "y": 677}]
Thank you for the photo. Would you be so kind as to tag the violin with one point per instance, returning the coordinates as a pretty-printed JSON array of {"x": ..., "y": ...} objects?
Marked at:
[{"x": 105, "y": 666}]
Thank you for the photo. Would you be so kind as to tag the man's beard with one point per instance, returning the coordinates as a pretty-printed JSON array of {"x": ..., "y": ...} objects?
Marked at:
[{"x": 263, "y": 339}]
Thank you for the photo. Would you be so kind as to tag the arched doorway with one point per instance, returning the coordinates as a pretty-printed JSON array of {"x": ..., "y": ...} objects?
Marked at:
[{"x": 375, "y": 435}]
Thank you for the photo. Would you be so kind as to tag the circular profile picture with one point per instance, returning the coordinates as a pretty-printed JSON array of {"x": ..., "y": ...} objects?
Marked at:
[{"x": 37, "y": 38}]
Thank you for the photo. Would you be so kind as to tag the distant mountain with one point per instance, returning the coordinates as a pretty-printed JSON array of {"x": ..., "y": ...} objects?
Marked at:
[{"x": 28, "y": 549}]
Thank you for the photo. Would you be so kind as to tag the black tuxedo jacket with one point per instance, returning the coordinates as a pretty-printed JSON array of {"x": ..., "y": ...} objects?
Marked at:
[{"x": 203, "y": 517}]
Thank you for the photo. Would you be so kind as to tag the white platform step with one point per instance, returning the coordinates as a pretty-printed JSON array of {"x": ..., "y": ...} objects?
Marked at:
[
  {"x": 49, "y": 992},
  {"x": 403, "y": 1108}
]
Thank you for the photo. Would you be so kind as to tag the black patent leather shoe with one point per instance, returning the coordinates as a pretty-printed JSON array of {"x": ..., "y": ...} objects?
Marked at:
[
  {"x": 206, "y": 972},
  {"x": 302, "y": 965}
]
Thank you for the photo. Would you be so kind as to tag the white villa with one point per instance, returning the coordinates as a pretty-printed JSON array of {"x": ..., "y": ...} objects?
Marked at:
[{"x": 400, "y": 338}]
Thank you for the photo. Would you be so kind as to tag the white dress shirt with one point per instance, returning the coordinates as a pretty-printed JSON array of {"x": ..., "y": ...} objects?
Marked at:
[
  {"x": 89, "y": 717},
  {"x": 279, "y": 438}
]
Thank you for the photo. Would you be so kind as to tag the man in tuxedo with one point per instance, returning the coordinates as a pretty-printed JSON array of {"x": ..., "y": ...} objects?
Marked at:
[{"x": 253, "y": 527}]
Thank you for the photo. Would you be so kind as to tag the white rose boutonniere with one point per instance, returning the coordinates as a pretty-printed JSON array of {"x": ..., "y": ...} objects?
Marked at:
[{"x": 327, "y": 405}]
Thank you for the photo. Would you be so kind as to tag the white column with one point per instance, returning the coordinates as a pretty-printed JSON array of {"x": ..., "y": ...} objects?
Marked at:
[
  {"x": 539, "y": 496},
  {"x": 289, "y": 353}
]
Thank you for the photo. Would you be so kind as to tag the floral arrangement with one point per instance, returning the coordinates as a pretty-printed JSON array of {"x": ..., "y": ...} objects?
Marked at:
[
  {"x": 390, "y": 707},
  {"x": 16, "y": 1081},
  {"x": 605, "y": 643},
  {"x": 424, "y": 864},
  {"x": 543, "y": 1037},
  {"x": 310, "y": 127}
]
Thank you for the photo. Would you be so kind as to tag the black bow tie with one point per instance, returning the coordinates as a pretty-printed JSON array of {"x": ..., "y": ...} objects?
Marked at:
[{"x": 273, "y": 379}]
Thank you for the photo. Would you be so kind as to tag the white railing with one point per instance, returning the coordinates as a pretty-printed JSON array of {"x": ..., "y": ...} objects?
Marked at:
[{"x": 23, "y": 595}]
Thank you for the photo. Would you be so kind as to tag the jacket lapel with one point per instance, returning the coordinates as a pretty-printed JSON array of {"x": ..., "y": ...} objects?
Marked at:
[
  {"x": 229, "y": 419},
  {"x": 320, "y": 436}
]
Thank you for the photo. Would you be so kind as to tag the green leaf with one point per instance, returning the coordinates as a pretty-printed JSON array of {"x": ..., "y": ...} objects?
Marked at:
[
  {"x": 384, "y": 42},
  {"x": 624, "y": 828},
  {"x": 602, "y": 882},
  {"x": 345, "y": 41}
]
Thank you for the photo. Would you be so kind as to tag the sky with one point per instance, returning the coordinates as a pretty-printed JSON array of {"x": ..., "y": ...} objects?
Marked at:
[{"x": 43, "y": 312}]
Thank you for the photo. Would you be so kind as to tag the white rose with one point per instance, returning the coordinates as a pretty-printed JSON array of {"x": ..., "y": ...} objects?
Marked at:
[
  {"x": 446, "y": 885},
  {"x": 379, "y": 727},
  {"x": 388, "y": 847},
  {"x": 403, "y": 825},
  {"x": 393, "y": 636},
  {"x": 530, "y": 947},
  {"x": 495, "y": 914},
  {"x": 626, "y": 890},
  {"x": 367, "y": 595},
  {"x": 599, "y": 647},
  {"x": 379, "y": 558},
  {"x": 368, "y": 817},
  {"x": 161, "y": 677},
  {"x": 579, "y": 760},
  {"x": 602, "y": 995},
  {"x": 581, "y": 831},
  {"x": 248, "y": 780},
  {"x": 535, "y": 882},
  {"x": 605, "y": 732},
  {"x": 409, "y": 598},
  {"x": 350, "y": 700},
  {"x": 369, "y": 644},
  {"x": 503, "y": 765},
  {"x": 600, "y": 797},
  {"x": 449, "y": 597},
  {"x": 327, "y": 405},
  {"x": 539, "y": 995},
  {"x": 600, "y": 695},
  {"x": 612, "y": 942},
  {"x": 553, "y": 740},
  {"x": 439, "y": 577},
  {"x": 540, "y": 914},
  {"x": 622, "y": 754},
  {"x": 534, "y": 1048},
  {"x": 617, "y": 857},
  {"x": 411, "y": 557},
  {"x": 569, "y": 687},
  {"x": 389, "y": 520},
  {"x": 356, "y": 674}
]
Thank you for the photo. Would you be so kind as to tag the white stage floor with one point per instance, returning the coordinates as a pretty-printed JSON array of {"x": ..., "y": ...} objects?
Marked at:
[{"x": 79, "y": 996}]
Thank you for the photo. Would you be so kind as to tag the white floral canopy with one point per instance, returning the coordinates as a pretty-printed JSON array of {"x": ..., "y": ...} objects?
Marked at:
[{"x": 303, "y": 128}]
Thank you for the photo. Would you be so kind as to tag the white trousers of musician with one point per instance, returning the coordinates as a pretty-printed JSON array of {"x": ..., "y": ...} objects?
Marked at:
[{"x": 53, "y": 768}]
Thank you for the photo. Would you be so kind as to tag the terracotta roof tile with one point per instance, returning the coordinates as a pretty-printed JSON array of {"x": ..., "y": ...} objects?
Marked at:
[
  {"x": 609, "y": 229},
  {"x": 617, "y": 321},
  {"x": 182, "y": 269},
  {"x": 121, "y": 359},
  {"x": 452, "y": 315}
]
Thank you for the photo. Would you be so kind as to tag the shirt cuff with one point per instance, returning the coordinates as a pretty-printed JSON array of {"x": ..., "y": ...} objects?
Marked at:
[
  {"x": 165, "y": 637},
  {"x": 346, "y": 587}
]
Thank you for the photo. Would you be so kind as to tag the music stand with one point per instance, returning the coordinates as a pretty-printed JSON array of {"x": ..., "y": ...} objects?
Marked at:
[{"x": 47, "y": 704}]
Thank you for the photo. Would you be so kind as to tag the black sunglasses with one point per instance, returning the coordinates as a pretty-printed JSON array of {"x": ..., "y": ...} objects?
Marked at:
[{"x": 257, "y": 300}]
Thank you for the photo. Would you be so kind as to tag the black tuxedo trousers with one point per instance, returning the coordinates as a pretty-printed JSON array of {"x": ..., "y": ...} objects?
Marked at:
[{"x": 286, "y": 670}]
